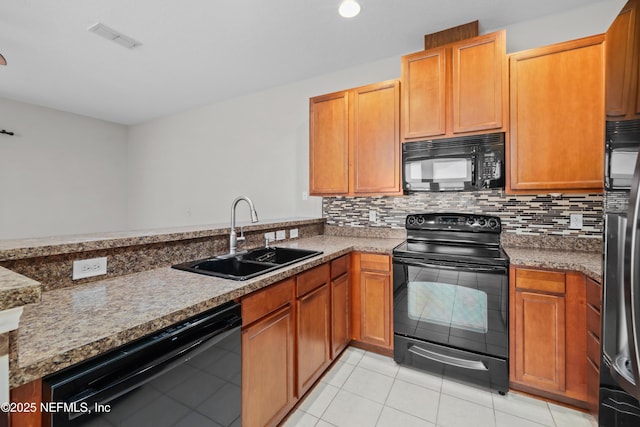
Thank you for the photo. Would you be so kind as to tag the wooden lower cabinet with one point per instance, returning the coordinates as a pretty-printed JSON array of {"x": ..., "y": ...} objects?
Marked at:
[
  {"x": 340, "y": 305},
  {"x": 372, "y": 301},
  {"x": 540, "y": 340},
  {"x": 548, "y": 334},
  {"x": 313, "y": 329},
  {"x": 594, "y": 316},
  {"x": 268, "y": 366},
  {"x": 292, "y": 331},
  {"x": 27, "y": 393}
]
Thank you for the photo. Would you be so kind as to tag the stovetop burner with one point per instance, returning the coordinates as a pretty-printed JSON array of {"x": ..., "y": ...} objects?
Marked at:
[{"x": 453, "y": 237}]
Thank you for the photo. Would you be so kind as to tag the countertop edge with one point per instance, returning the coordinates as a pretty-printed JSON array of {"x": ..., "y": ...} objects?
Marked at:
[
  {"x": 17, "y": 290},
  {"x": 588, "y": 263}
]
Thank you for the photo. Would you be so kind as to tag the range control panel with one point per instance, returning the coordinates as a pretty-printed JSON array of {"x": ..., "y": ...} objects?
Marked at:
[{"x": 453, "y": 222}]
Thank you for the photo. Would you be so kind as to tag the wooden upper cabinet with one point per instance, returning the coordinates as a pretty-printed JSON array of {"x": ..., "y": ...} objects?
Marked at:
[
  {"x": 354, "y": 141},
  {"x": 376, "y": 139},
  {"x": 622, "y": 55},
  {"x": 329, "y": 144},
  {"x": 557, "y": 125},
  {"x": 455, "y": 89},
  {"x": 479, "y": 75},
  {"x": 423, "y": 93}
]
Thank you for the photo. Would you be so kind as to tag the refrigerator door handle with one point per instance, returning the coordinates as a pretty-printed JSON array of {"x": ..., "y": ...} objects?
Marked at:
[{"x": 632, "y": 283}]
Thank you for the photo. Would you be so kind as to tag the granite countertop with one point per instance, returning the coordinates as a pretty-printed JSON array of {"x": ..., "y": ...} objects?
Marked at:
[
  {"x": 589, "y": 263},
  {"x": 17, "y": 290},
  {"x": 73, "y": 324},
  {"x": 45, "y": 246}
]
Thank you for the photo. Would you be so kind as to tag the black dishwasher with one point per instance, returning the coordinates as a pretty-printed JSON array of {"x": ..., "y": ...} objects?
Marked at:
[{"x": 188, "y": 374}]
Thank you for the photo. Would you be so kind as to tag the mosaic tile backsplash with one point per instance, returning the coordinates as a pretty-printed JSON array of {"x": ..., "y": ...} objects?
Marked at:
[{"x": 534, "y": 215}]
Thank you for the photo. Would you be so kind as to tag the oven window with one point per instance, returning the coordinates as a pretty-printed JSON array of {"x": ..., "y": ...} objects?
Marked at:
[{"x": 448, "y": 305}]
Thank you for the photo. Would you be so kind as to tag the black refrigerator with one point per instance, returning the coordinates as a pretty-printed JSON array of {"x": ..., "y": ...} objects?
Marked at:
[{"x": 620, "y": 363}]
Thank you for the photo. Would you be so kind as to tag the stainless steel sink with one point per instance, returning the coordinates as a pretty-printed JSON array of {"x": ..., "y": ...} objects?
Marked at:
[{"x": 247, "y": 265}]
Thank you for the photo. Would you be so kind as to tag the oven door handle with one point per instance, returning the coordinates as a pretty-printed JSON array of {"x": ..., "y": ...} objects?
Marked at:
[
  {"x": 474, "y": 269},
  {"x": 475, "y": 365}
]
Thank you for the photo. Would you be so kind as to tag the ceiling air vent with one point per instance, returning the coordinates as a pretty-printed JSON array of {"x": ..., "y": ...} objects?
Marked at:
[{"x": 116, "y": 37}]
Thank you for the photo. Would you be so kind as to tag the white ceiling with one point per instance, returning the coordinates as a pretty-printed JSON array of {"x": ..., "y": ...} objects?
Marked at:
[{"x": 197, "y": 52}]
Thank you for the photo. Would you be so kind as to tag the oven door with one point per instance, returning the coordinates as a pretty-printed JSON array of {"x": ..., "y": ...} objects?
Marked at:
[{"x": 465, "y": 307}]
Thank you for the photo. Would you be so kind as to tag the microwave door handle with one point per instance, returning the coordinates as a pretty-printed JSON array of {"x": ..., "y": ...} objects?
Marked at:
[{"x": 632, "y": 281}]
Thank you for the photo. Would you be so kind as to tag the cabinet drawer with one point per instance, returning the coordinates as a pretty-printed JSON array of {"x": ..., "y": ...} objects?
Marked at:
[
  {"x": 594, "y": 294},
  {"x": 374, "y": 262},
  {"x": 311, "y": 279},
  {"x": 543, "y": 281},
  {"x": 593, "y": 349},
  {"x": 593, "y": 321},
  {"x": 267, "y": 300},
  {"x": 339, "y": 266}
]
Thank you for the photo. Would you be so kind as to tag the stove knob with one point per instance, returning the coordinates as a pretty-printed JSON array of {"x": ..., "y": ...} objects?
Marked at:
[
  {"x": 411, "y": 220},
  {"x": 493, "y": 223},
  {"x": 482, "y": 222},
  {"x": 420, "y": 220},
  {"x": 470, "y": 221}
]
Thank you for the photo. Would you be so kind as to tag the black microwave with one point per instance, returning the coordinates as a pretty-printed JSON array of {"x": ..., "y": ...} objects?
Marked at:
[
  {"x": 621, "y": 152},
  {"x": 466, "y": 163}
]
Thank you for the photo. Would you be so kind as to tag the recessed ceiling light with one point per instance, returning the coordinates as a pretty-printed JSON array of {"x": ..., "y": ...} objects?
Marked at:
[
  {"x": 113, "y": 35},
  {"x": 349, "y": 8}
]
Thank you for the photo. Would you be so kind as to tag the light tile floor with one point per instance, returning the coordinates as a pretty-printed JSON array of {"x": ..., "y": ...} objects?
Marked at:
[{"x": 366, "y": 389}]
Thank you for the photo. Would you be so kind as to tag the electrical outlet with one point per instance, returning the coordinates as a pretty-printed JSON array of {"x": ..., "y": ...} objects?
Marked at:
[
  {"x": 305, "y": 195},
  {"x": 293, "y": 233},
  {"x": 271, "y": 236},
  {"x": 89, "y": 267},
  {"x": 373, "y": 216},
  {"x": 281, "y": 235},
  {"x": 575, "y": 222}
]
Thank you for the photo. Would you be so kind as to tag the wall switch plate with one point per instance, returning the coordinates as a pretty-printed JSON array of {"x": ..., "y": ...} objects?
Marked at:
[
  {"x": 281, "y": 235},
  {"x": 89, "y": 267},
  {"x": 373, "y": 216},
  {"x": 575, "y": 222},
  {"x": 293, "y": 233}
]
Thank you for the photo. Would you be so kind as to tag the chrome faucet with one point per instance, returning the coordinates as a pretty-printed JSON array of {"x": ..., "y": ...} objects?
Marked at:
[{"x": 233, "y": 239}]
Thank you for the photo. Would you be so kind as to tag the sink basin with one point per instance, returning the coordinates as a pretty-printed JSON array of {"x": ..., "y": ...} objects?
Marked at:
[
  {"x": 249, "y": 264},
  {"x": 280, "y": 256}
]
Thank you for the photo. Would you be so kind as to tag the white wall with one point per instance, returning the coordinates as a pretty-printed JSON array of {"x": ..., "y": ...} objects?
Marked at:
[
  {"x": 188, "y": 168},
  {"x": 60, "y": 173},
  {"x": 586, "y": 21}
]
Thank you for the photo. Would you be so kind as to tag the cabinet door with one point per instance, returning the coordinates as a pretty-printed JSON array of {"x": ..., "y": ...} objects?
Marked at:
[
  {"x": 478, "y": 77},
  {"x": 557, "y": 125},
  {"x": 268, "y": 369},
  {"x": 340, "y": 313},
  {"x": 314, "y": 336},
  {"x": 376, "y": 139},
  {"x": 329, "y": 144},
  {"x": 423, "y": 94},
  {"x": 621, "y": 63},
  {"x": 375, "y": 309},
  {"x": 540, "y": 340}
]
